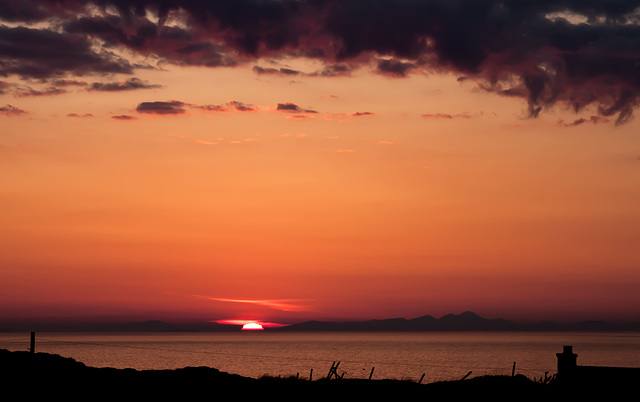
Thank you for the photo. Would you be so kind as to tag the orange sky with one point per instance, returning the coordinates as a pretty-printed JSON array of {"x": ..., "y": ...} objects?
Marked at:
[{"x": 378, "y": 196}]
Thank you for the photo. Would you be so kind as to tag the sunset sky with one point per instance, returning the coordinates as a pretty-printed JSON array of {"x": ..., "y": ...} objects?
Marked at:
[{"x": 281, "y": 161}]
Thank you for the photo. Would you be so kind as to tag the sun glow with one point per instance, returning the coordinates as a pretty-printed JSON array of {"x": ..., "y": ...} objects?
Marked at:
[{"x": 252, "y": 326}]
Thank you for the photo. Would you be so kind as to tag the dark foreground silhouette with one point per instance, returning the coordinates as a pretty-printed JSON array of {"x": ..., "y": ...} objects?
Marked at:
[{"x": 41, "y": 375}]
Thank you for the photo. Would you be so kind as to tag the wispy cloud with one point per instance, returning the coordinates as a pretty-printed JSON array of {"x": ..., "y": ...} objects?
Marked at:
[
  {"x": 331, "y": 116},
  {"x": 241, "y": 107},
  {"x": 23, "y": 92},
  {"x": 124, "y": 117},
  {"x": 79, "y": 115},
  {"x": 9, "y": 110},
  {"x": 176, "y": 107},
  {"x": 362, "y": 114},
  {"x": 276, "y": 304},
  {"x": 128, "y": 85},
  {"x": 582, "y": 120},
  {"x": 205, "y": 142},
  {"x": 447, "y": 116}
]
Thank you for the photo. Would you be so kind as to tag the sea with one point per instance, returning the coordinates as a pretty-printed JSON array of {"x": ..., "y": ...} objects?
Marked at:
[{"x": 417, "y": 356}]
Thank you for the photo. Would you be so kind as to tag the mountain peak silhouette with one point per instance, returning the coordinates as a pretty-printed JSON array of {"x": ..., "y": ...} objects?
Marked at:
[{"x": 466, "y": 321}]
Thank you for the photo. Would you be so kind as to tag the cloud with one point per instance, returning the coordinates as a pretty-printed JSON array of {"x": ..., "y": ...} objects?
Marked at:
[
  {"x": 26, "y": 11},
  {"x": 4, "y": 87},
  {"x": 241, "y": 107},
  {"x": 394, "y": 67},
  {"x": 28, "y": 91},
  {"x": 580, "y": 121},
  {"x": 68, "y": 83},
  {"x": 9, "y": 110},
  {"x": 276, "y": 71},
  {"x": 334, "y": 70},
  {"x": 79, "y": 115},
  {"x": 230, "y": 105},
  {"x": 437, "y": 116},
  {"x": 362, "y": 114},
  {"x": 128, "y": 85},
  {"x": 447, "y": 116},
  {"x": 530, "y": 49},
  {"x": 276, "y": 304},
  {"x": 44, "y": 53},
  {"x": 289, "y": 107},
  {"x": 205, "y": 142},
  {"x": 300, "y": 117},
  {"x": 173, "y": 107},
  {"x": 124, "y": 117},
  {"x": 210, "y": 108},
  {"x": 331, "y": 116}
]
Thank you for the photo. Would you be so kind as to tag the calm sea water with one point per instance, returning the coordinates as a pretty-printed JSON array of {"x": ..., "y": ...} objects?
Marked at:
[{"x": 440, "y": 356}]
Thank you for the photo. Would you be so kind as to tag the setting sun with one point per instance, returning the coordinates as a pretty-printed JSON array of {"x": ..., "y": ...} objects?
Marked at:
[{"x": 252, "y": 326}]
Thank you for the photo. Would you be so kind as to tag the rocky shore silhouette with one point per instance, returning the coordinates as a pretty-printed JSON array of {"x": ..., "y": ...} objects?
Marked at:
[{"x": 43, "y": 375}]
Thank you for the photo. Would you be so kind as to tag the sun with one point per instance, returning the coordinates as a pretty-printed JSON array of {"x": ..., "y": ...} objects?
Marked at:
[{"x": 252, "y": 326}]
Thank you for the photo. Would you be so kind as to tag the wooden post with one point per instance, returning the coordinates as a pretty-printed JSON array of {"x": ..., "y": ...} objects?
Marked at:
[
  {"x": 33, "y": 342},
  {"x": 371, "y": 373},
  {"x": 331, "y": 370},
  {"x": 311, "y": 375},
  {"x": 513, "y": 370},
  {"x": 297, "y": 376},
  {"x": 421, "y": 378}
]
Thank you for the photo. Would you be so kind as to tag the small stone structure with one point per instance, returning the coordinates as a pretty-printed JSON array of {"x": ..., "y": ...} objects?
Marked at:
[{"x": 570, "y": 373}]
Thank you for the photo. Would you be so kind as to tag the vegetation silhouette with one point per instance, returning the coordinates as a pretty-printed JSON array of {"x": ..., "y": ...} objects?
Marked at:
[{"x": 43, "y": 375}]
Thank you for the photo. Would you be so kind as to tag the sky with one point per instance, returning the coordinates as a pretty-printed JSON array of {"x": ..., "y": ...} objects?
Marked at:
[{"x": 287, "y": 160}]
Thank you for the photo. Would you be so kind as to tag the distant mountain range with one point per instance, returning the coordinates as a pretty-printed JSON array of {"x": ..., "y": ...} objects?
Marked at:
[
  {"x": 467, "y": 321},
  {"x": 143, "y": 326}
]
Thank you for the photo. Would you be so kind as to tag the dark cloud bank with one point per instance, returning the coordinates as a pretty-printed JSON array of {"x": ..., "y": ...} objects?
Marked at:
[{"x": 575, "y": 52}]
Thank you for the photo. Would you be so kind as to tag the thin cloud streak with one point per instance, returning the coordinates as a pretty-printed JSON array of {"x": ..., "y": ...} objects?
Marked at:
[{"x": 290, "y": 305}]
